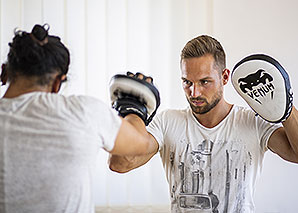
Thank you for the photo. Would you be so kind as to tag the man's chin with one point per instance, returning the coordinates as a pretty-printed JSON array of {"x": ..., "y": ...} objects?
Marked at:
[{"x": 198, "y": 110}]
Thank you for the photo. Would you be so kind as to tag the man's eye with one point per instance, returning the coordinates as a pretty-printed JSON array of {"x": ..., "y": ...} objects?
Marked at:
[
  {"x": 187, "y": 82},
  {"x": 204, "y": 82}
]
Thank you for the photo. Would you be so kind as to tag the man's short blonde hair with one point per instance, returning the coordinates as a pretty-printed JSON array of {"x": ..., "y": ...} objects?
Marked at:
[{"x": 204, "y": 45}]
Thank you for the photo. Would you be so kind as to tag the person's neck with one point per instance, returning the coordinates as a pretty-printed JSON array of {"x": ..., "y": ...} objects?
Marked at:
[
  {"x": 215, "y": 115},
  {"x": 23, "y": 86}
]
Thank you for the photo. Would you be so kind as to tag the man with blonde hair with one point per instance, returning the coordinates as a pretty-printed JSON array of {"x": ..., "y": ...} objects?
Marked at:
[{"x": 212, "y": 152}]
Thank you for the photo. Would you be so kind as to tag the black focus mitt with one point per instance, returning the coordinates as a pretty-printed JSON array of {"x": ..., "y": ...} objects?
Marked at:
[{"x": 132, "y": 95}]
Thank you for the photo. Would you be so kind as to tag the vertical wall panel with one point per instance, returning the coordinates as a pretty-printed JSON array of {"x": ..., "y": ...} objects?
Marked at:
[
  {"x": 160, "y": 47},
  {"x": 138, "y": 36},
  {"x": 96, "y": 48},
  {"x": 32, "y": 13},
  {"x": 75, "y": 30},
  {"x": 53, "y": 14},
  {"x": 116, "y": 36},
  {"x": 200, "y": 17},
  {"x": 116, "y": 54}
]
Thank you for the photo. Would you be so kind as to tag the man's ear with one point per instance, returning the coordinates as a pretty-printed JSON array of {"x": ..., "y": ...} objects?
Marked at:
[
  {"x": 225, "y": 76},
  {"x": 57, "y": 83}
]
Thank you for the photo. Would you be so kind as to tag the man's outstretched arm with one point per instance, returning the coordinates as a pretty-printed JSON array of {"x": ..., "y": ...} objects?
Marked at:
[
  {"x": 126, "y": 163},
  {"x": 136, "y": 99},
  {"x": 133, "y": 139}
]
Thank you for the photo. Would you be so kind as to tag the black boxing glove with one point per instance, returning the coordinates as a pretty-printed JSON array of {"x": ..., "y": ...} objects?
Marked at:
[{"x": 132, "y": 95}]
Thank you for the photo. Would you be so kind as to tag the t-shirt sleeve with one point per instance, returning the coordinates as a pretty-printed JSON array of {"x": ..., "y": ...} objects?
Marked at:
[
  {"x": 109, "y": 128},
  {"x": 103, "y": 120},
  {"x": 155, "y": 128},
  {"x": 265, "y": 130}
]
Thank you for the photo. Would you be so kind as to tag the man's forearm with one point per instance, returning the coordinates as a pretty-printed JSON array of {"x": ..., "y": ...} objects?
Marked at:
[
  {"x": 123, "y": 164},
  {"x": 139, "y": 125},
  {"x": 137, "y": 122},
  {"x": 291, "y": 129}
]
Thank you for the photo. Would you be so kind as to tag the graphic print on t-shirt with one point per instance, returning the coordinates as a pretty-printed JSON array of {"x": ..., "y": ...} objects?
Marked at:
[
  {"x": 195, "y": 192},
  {"x": 204, "y": 185}
]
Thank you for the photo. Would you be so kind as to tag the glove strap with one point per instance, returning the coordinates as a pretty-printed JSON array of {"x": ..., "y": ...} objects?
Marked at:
[{"x": 129, "y": 105}]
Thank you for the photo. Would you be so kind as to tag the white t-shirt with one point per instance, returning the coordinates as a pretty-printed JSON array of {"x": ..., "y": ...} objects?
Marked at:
[
  {"x": 48, "y": 149},
  {"x": 211, "y": 169}
]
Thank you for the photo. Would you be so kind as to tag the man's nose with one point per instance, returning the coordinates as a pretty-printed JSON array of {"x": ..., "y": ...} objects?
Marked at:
[{"x": 195, "y": 90}]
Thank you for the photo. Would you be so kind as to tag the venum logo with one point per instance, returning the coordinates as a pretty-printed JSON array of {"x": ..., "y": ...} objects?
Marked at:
[{"x": 257, "y": 84}]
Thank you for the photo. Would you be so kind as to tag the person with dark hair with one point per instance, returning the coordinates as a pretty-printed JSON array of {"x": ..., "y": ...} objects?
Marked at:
[
  {"x": 212, "y": 152},
  {"x": 49, "y": 143}
]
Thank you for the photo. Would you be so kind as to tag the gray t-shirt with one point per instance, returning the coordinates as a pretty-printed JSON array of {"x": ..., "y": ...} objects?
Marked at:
[
  {"x": 48, "y": 149},
  {"x": 212, "y": 169}
]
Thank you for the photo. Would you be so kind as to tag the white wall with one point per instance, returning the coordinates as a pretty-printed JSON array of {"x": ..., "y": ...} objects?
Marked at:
[{"x": 111, "y": 36}]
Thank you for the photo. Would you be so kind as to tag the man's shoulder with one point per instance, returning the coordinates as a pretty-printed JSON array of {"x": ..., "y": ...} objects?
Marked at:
[
  {"x": 83, "y": 100},
  {"x": 170, "y": 118},
  {"x": 173, "y": 113},
  {"x": 243, "y": 110},
  {"x": 246, "y": 115},
  {"x": 72, "y": 103}
]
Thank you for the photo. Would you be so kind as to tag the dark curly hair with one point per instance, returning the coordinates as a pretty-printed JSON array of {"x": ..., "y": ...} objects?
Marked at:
[{"x": 37, "y": 54}]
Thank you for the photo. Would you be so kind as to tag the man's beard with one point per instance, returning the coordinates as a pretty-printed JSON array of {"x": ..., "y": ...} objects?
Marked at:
[{"x": 208, "y": 106}]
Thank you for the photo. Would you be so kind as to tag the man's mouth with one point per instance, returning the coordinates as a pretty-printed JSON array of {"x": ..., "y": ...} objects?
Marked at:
[{"x": 198, "y": 102}]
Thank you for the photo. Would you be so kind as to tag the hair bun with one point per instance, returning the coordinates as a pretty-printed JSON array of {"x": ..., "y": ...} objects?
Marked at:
[{"x": 40, "y": 32}]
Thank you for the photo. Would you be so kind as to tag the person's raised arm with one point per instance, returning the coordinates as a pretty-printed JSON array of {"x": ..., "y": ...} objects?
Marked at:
[
  {"x": 275, "y": 105},
  {"x": 136, "y": 99}
]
